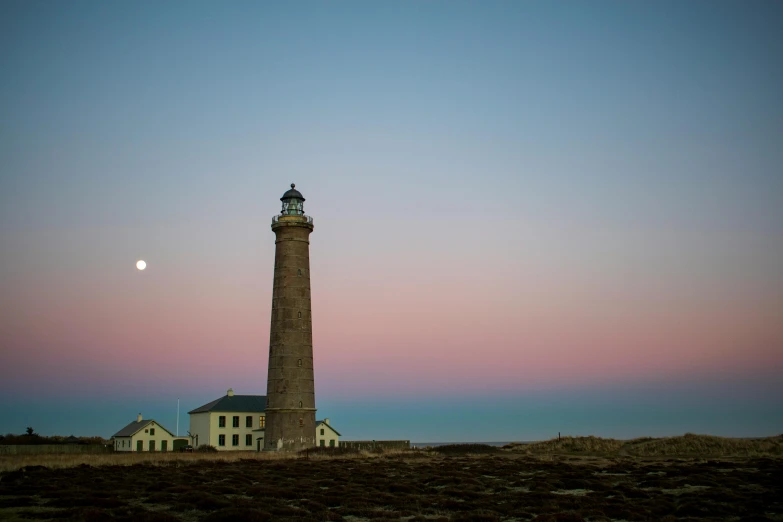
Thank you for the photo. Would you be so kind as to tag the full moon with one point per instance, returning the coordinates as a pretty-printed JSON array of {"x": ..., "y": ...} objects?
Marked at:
[{"x": 141, "y": 264}]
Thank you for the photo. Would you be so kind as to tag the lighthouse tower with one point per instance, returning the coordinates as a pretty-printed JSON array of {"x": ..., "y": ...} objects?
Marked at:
[{"x": 290, "y": 395}]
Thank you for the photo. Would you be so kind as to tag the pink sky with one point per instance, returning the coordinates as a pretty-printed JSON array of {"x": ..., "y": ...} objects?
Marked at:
[{"x": 512, "y": 199}]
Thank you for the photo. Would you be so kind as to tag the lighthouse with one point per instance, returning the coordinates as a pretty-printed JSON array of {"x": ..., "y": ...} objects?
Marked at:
[{"x": 290, "y": 395}]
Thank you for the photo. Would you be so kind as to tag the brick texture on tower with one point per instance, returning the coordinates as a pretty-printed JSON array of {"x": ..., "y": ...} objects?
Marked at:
[{"x": 290, "y": 407}]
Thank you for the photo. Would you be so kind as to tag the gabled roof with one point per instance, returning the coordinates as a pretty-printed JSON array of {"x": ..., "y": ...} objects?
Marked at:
[
  {"x": 136, "y": 426},
  {"x": 235, "y": 403},
  {"x": 318, "y": 423}
]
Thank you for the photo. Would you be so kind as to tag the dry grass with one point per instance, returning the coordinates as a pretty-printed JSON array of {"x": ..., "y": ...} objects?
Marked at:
[
  {"x": 61, "y": 461},
  {"x": 688, "y": 445},
  {"x": 415, "y": 486},
  {"x": 572, "y": 445}
]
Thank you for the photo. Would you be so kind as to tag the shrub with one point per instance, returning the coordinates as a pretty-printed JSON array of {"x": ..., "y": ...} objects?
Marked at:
[
  {"x": 568, "y": 516},
  {"x": 152, "y": 516},
  {"x": 207, "y": 449},
  {"x": 319, "y": 450},
  {"x": 463, "y": 449},
  {"x": 203, "y": 501},
  {"x": 702, "y": 445},
  {"x": 233, "y": 514},
  {"x": 688, "y": 444},
  {"x": 580, "y": 445}
]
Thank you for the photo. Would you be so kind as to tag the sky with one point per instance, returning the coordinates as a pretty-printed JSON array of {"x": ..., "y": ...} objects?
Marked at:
[{"x": 530, "y": 217}]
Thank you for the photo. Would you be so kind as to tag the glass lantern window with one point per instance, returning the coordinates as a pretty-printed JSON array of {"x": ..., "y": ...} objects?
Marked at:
[{"x": 293, "y": 206}]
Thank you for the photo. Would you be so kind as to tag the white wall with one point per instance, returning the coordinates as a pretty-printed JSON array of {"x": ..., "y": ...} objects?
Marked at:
[
  {"x": 328, "y": 435},
  {"x": 199, "y": 425},
  {"x": 145, "y": 435},
  {"x": 207, "y": 425},
  {"x": 119, "y": 446},
  {"x": 160, "y": 434}
]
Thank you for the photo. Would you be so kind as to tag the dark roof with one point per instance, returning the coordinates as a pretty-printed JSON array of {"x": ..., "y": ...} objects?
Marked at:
[
  {"x": 292, "y": 193},
  {"x": 318, "y": 423},
  {"x": 235, "y": 403},
  {"x": 135, "y": 426}
]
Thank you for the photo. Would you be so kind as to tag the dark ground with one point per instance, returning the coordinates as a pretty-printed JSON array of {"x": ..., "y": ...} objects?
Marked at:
[{"x": 460, "y": 487}]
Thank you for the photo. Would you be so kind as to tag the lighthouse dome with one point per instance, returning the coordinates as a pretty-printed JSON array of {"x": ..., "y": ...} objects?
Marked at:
[
  {"x": 292, "y": 193},
  {"x": 292, "y": 202}
]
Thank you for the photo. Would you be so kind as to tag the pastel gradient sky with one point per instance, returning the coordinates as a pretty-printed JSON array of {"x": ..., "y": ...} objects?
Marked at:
[{"x": 530, "y": 216}]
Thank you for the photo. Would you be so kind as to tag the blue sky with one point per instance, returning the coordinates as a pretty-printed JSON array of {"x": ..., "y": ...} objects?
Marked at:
[{"x": 577, "y": 202}]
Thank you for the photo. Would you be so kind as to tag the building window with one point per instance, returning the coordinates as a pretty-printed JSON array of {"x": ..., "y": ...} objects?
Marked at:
[
  {"x": 300, "y": 404},
  {"x": 300, "y": 315},
  {"x": 261, "y": 421},
  {"x": 248, "y": 440},
  {"x": 152, "y": 431},
  {"x": 331, "y": 443},
  {"x": 322, "y": 431},
  {"x": 236, "y": 421},
  {"x": 322, "y": 442},
  {"x": 222, "y": 421},
  {"x": 249, "y": 421},
  {"x": 299, "y": 272},
  {"x": 123, "y": 444},
  {"x": 235, "y": 440},
  {"x": 221, "y": 440},
  {"x": 146, "y": 430},
  {"x": 299, "y": 363},
  {"x": 301, "y": 422}
]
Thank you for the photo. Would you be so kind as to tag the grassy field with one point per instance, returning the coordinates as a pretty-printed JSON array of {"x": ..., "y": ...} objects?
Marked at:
[
  {"x": 458, "y": 483},
  {"x": 15, "y": 462},
  {"x": 686, "y": 445}
]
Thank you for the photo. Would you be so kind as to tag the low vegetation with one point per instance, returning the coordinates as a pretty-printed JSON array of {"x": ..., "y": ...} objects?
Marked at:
[
  {"x": 682, "y": 446},
  {"x": 465, "y": 449},
  {"x": 576, "y": 479},
  {"x": 329, "y": 451},
  {"x": 416, "y": 486},
  {"x": 32, "y": 438},
  {"x": 61, "y": 461}
]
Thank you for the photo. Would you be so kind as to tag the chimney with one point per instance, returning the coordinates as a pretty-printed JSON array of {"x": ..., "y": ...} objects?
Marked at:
[
  {"x": 138, "y": 418},
  {"x": 326, "y": 421},
  {"x": 230, "y": 392}
]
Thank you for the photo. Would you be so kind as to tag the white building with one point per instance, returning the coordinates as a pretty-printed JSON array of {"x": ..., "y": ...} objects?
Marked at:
[
  {"x": 325, "y": 435},
  {"x": 230, "y": 423},
  {"x": 236, "y": 423},
  {"x": 141, "y": 435}
]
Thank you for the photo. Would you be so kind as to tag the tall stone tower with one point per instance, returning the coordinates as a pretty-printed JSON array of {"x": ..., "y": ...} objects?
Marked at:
[{"x": 290, "y": 389}]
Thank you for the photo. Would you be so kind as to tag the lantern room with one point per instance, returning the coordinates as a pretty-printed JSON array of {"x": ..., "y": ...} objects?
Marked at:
[{"x": 293, "y": 202}]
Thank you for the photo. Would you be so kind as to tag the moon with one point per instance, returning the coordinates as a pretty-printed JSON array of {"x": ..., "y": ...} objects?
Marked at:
[{"x": 141, "y": 264}]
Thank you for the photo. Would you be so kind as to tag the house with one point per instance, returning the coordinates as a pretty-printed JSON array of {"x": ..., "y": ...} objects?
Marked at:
[
  {"x": 325, "y": 435},
  {"x": 143, "y": 435},
  {"x": 236, "y": 423},
  {"x": 230, "y": 423}
]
